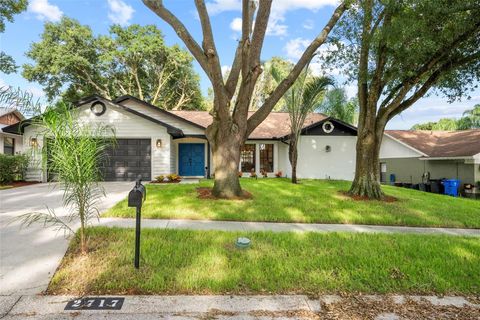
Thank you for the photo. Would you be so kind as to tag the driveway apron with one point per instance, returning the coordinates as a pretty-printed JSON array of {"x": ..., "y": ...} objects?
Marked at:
[{"x": 29, "y": 256}]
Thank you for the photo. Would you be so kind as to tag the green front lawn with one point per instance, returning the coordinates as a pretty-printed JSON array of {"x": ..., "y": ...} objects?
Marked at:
[
  {"x": 312, "y": 201},
  {"x": 207, "y": 262}
]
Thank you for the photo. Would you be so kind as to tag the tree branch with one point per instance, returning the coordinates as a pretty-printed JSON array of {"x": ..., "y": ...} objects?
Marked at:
[
  {"x": 182, "y": 32},
  {"x": 261, "y": 24},
  {"x": 286, "y": 83},
  {"x": 208, "y": 43},
  {"x": 449, "y": 65}
]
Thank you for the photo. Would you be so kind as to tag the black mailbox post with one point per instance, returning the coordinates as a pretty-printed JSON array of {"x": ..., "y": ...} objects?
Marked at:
[{"x": 135, "y": 199}]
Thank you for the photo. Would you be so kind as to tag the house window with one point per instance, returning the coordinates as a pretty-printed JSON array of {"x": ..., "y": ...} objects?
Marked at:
[
  {"x": 247, "y": 158},
  {"x": 9, "y": 146},
  {"x": 266, "y": 157}
]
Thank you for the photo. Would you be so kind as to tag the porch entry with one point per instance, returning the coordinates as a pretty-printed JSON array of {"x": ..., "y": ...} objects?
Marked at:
[{"x": 191, "y": 159}]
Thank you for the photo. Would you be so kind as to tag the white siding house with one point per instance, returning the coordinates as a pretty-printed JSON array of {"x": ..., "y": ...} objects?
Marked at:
[{"x": 152, "y": 142}]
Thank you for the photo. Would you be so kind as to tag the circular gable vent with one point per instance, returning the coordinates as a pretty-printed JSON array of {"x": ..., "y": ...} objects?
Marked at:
[
  {"x": 98, "y": 108},
  {"x": 328, "y": 127}
]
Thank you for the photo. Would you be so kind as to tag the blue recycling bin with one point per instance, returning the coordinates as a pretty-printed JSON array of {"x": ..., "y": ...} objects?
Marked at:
[{"x": 451, "y": 187}]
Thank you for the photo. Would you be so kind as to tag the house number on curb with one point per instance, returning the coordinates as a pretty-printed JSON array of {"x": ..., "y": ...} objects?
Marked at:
[{"x": 95, "y": 304}]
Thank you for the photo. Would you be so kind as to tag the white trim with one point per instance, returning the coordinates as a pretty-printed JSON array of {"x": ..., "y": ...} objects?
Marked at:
[
  {"x": 406, "y": 145},
  {"x": 446, "y": 158}
]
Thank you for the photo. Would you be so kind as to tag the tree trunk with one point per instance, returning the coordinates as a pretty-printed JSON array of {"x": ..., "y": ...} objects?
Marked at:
[
  {"x": 367, "y": 172},
  {"x": 293, "y": 157},
  {"x": 226, "y": 143}
]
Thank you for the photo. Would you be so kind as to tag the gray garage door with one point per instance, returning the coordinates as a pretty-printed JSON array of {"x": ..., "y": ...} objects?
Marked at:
[{"x": 128, "y": 159}]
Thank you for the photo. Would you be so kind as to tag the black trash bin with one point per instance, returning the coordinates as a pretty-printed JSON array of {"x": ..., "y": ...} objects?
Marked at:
[{"x": 436, "y": 186}]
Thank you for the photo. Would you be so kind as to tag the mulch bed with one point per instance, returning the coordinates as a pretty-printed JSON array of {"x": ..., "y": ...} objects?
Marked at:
[
  {"x": 206, "y": 193},
  {"x": 360, "y": 198},
  {"x": 17, "y": 184}
]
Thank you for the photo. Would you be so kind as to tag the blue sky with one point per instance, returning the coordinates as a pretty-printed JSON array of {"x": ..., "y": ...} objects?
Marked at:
[{"x": 293, "y": 23}]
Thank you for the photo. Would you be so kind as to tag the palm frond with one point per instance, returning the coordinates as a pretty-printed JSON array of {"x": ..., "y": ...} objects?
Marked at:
[{"x": 48, "y": 219}]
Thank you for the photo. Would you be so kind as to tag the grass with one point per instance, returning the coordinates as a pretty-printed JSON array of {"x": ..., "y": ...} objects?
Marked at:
[
  {"x": 207, "y": 262},
  {"x": 312, "y": 201},
  {"x": 5, "y": 186}
]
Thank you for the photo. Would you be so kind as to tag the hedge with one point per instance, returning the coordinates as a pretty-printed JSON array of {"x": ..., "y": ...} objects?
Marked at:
[{"x": 13, "y": 168}]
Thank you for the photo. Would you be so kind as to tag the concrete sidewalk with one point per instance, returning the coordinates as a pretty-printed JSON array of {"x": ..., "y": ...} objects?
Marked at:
[
  {"x": 246, "y": 307},
  {"x": 281, "y": 227}
]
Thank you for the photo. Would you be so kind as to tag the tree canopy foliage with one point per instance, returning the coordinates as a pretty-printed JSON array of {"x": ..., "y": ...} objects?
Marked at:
[
  {"x": 71, "y": 61},
  {"x": 337, "y": 105},
  {"x": 470, "y": 120},
  {"x": 9, "y": 8}
]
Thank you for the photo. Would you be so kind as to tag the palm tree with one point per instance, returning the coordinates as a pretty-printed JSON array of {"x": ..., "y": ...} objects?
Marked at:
[
  {"x": 473, "y": 117},
  {"x": 301, "y": 99},
  {"x": 75, "y": 152}
]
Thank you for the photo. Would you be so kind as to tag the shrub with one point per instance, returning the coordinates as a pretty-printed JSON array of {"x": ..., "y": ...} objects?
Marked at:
[
  {"x": 173, "y": 177},
  {"x": 279, "y": 174},
  {"x": 253, "y": 174},
  {"x": 240, "y": 174},
  {"x": 264, "y": 173},
  {"x": 160, "y": 178},
  {"x": 13, "y": 168}
]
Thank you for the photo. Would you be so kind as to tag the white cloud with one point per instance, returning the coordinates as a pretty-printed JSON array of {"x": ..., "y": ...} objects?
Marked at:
[
  {"x": 295, "y": 47},
  {"x": 276, "y": 25},
  {"x": 36, "y": 92},
  {"x": 119, "y": 12},
  {"x": 45, "y": 11},
  {"x": 218, "y": 6},
  {"x": 236, "y": 24},
  {"x": 308, "y": 24},
  {"x": 225, "y": 69}
]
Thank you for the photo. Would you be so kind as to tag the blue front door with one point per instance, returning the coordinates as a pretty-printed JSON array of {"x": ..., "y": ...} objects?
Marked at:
[{"x": 191, "y": 159}]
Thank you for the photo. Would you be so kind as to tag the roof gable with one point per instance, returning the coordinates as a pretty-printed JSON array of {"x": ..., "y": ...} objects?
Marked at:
[{"x": 20, "y": 127}]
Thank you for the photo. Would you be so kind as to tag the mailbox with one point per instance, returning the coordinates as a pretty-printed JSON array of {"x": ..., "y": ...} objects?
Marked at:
[
  {"x": 137, "y": 195},
  {"x": 135, "y": 199}
]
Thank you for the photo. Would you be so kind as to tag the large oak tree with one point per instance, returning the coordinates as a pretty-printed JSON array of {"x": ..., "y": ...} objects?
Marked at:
[
  {"x": 399, "y": 51},
  {"x": 230, "y": 129},
  {"x": 71, "y": 61}
]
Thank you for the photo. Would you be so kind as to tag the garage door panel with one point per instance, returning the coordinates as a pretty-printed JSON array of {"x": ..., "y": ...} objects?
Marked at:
[{"x": 128, "y": 159}]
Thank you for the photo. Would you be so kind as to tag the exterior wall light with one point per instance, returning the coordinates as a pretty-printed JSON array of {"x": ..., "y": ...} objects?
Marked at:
[
  {"x": 328, "y": 148},
  {"x": 159, "y": 143},
  {"x": 33, "y": 142}
]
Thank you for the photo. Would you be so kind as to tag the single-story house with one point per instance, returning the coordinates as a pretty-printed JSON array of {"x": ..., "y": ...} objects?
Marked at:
[
  {"x": 442, "y": 154},
  {"x": 152, "y": 142},
  {"x": 10, "y": 142}
]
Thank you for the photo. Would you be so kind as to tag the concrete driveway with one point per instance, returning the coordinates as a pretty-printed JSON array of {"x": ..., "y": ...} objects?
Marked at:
[{"x": 30, "y": 256}]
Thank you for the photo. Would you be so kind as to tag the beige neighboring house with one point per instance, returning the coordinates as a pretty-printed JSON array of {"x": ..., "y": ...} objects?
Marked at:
[
  {"x": 10, "y": 143},
  {"x": 443, "y": 154}
]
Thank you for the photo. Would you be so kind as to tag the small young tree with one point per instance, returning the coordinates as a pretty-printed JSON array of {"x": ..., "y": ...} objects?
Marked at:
[
  {"x": 74, "y": 152},
  {"x": 301, "y": 99},
  {"x": 230, "y": 129}
]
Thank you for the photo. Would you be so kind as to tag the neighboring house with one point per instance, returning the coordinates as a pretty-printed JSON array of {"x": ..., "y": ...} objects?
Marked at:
[
  {"x": 443, "y": 154},
  {"x": 10, "y": 143}
]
